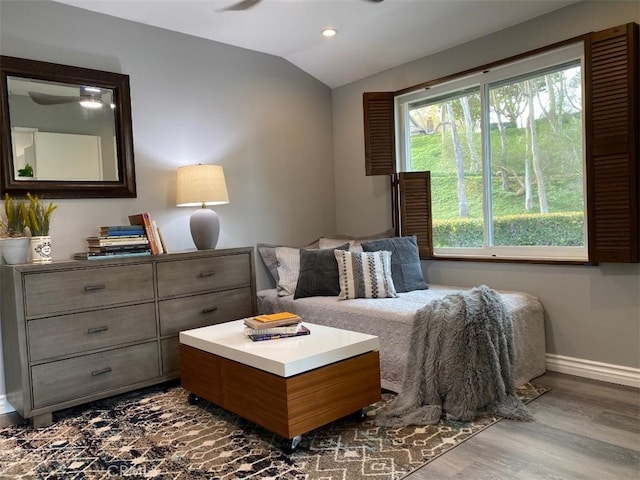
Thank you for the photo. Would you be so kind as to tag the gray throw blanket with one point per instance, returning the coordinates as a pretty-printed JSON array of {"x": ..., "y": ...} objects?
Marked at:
[{"x": 460, "y": 363}]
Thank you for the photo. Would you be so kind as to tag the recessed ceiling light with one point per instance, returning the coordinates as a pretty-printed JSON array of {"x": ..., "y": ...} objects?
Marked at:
[
  {"x": 91, "y": 103},
  {"x": 329, "y": 32}
]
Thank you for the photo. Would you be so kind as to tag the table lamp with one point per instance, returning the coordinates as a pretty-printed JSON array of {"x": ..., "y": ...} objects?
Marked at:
[{"x": 199, "y": 186}]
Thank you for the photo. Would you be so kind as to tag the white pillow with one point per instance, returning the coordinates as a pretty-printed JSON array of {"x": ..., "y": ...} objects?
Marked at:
[
  {"x": 288, "y": 269},
  {"x": 268, "y": 255},
  {"x": 365, "y": 274},
  {"x": 354, "y": 242},
  {"x": 354, "y": 245}
]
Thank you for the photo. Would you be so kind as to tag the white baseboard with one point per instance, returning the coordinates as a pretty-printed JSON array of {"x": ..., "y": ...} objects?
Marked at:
[
  {"x": 5, "y": 407},
  {"x": 595, "y": 370}
]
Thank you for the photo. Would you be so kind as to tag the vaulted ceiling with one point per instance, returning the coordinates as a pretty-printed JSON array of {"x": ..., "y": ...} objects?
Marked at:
[{"x": 373, "y": 35}]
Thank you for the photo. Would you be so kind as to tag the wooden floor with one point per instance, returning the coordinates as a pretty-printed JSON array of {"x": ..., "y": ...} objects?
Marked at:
[{"x": 583, "y": 429}]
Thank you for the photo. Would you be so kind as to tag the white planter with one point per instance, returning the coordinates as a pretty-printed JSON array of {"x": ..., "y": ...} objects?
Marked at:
[
  {"x": 15, "y": 250},
  {"x": 40, "y": 249}
]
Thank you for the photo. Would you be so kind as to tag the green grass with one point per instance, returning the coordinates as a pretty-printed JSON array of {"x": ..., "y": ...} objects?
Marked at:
[
  {"x": 514, "y": 224},
  {"x": 563, "y": 195},
  {"x": 563, "y": 174}
]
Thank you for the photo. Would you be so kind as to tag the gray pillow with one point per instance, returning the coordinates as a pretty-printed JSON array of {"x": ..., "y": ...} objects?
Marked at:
[
  {"x": 318, "y": 275},
  {"x": 405, "y": 261},
  {"x": 268, "y": 255}
]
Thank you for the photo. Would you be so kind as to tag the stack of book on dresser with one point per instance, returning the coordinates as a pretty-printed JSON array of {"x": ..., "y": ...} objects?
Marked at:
[
  {"x": 273, "y": 326},
  {"x": 144, "y": 221},
  {"x": 117, "y": 241}
]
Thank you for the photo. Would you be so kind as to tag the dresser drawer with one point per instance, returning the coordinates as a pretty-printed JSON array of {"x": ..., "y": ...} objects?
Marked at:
[
  {"x": 81, "y": 376},
  {"x": 203, "y": 274},
  {"x": 61, "y": 291},
  {"x": 207, "y": 309},
  {"x": 79, "y": 332}
]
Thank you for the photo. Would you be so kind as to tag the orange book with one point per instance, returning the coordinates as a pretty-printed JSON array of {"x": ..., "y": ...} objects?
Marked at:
[
  {"x": 144, "y": 219},
  {"x": 273, "y": 317},
  {"x": 273, "y": 320}
]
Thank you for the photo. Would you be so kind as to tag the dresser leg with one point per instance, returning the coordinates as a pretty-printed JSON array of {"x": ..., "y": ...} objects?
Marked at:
[{"x": 43, "y": 420}]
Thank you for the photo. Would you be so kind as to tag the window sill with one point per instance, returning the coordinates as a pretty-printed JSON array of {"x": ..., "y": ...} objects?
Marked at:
[{"x": 542, "y": 261}]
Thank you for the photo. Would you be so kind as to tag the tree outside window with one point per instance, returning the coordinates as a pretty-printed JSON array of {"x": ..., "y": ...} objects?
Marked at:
[{"x": 506, "y": 160}]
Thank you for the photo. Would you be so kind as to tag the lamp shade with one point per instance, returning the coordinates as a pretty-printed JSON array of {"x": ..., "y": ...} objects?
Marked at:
[{"x": 199, "y": 185}]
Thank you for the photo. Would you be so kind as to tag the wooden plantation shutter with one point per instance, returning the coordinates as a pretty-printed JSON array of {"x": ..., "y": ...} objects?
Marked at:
[
  {"x": 410, "y": 191},
  {"x": 612, "y": 111},
  {"x": 612, "y": 139},
  {"x": 379, "y": 133},
  {"x": 415, "y": 209}
]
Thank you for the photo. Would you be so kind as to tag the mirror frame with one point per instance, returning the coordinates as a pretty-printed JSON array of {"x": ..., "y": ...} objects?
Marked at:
[{"x": 124, "y": 187}]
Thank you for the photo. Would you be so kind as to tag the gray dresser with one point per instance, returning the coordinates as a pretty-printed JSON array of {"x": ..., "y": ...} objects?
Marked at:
[{"x": 78, "y": 331}]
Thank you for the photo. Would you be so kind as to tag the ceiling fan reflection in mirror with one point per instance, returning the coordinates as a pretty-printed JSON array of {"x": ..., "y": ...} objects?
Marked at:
[
  {"x": 247, "y": 4},
  {"x": 90, "y": 97}
]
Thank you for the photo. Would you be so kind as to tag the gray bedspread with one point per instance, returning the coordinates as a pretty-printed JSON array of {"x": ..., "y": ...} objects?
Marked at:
[{"x": 391, "y": 320}]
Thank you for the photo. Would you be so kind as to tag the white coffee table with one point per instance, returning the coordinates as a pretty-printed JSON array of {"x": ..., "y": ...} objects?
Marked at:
[{"x": 289, "y": 386}]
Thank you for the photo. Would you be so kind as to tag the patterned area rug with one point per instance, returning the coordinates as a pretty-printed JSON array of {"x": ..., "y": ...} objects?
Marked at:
[{"x": 156, "y": 433}]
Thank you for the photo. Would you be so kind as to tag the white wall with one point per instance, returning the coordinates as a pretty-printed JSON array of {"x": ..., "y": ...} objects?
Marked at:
[
  {"x": 592, "y": 313},
  {"x": 194, "y": 101}
]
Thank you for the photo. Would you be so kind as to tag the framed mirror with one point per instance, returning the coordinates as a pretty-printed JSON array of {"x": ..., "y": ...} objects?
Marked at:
[{"x": 66, "y": 131}]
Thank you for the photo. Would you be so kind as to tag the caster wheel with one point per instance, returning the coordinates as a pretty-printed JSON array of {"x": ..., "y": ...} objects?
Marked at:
[
  {"x": 291, "y": 445},
  {"x": 359, "y": 415},
  {"x": 193, "y": 399}
]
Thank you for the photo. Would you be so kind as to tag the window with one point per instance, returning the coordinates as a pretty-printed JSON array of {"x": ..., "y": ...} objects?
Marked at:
[
  {"x": 505, "y": 152},
  {"x": 532, "y": 158}
]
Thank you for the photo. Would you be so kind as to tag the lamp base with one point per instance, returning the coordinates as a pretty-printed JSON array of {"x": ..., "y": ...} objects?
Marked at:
[{"x": 205, "y": 228}]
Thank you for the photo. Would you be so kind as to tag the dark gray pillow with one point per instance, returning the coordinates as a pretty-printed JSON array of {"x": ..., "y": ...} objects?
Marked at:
[
  {"x": 318, "y": 273},
  {"x": 405, "y": 261}
]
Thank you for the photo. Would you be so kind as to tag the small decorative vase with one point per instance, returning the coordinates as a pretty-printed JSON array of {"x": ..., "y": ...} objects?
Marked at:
[
  {"x": 15, "y": 250},
  {"x": 40, "y": 248}
]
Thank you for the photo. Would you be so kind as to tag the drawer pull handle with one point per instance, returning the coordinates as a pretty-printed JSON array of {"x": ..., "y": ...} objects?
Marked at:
[
  {"x": 91, "y": 288},
  {"x": 209, "y": 310},
  {"x": 207, "y": 274},
  {"x": 98, "y": 329},
  {"x": 95, "y": 373}
]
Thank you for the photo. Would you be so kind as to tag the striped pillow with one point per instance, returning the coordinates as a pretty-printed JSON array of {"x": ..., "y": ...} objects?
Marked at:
[{"x": 365, "y": 274}]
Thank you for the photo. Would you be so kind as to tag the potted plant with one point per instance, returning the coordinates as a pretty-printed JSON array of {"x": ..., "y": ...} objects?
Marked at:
[
  {"x": 27, "y": 171},
  {"x": 13, "y": 231},
  {"x": 38, "y": 221}
]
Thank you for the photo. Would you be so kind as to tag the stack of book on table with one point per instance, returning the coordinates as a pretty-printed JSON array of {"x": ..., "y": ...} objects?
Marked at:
[
  {"x": 273, "y": 326},
  {"x": 117, "y": 241}
]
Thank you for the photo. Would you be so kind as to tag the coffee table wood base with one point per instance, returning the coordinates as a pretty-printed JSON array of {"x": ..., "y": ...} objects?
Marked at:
[{"x": 287, "y": 406}]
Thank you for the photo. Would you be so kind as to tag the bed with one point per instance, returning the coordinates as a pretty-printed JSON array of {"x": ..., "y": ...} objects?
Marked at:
[{"x": 388, "y": 317}]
